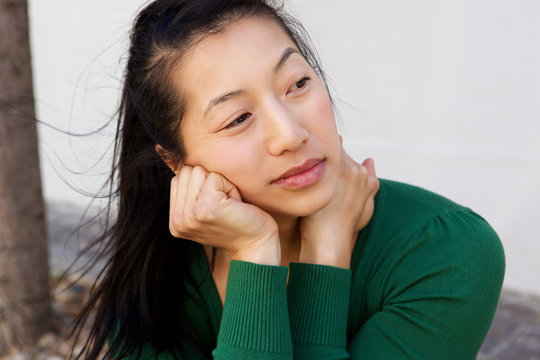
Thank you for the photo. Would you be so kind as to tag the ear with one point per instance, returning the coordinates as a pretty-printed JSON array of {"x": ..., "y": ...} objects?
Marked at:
[{"x": 163, "y": 154}]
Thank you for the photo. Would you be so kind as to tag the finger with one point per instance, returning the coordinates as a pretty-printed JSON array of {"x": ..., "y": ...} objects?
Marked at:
[
  {"x": 178, "y": 197},
  {"x": 218, "y": 183},
  {"x": 373, "y": 186},
  {"x": 373, "y": 181},
  {"x": 210, "y": 198},
  {"x": 216, "y": 192},
  {"x": 230, "y": 189},
  {"x": 376, "y": 185},
  {"x": 223, "y": 184},
  {"x": 172, "y": 205},
  {"x": 196, "y": 182},
  {"x": 369, "y": 164}
]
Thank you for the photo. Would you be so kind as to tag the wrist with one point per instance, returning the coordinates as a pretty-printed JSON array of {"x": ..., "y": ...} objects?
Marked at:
[
  {"x": 337, "y": 252},
  {"x": 264, "y": 252},
  {"x": 325, "y": 259},
  {"x": 333, "y": 257}
]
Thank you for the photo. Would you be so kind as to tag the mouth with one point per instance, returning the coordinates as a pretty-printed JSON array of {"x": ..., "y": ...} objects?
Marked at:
[{"x": 304, "y": 175}]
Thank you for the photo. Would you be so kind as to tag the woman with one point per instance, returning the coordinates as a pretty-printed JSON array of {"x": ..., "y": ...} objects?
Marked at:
[{"x": 227, "y": 138}]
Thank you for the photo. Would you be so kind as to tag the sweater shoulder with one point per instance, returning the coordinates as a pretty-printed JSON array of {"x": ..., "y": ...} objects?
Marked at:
[
  {"x": 403, "y": 206},
  {"x": 430, "y": 261},
  {"x": 414, "y": 199},
  {"x": 407, "y": 216}
]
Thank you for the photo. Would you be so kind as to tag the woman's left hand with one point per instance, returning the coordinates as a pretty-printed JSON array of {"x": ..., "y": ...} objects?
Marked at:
[{"x": 329, "y": 235}]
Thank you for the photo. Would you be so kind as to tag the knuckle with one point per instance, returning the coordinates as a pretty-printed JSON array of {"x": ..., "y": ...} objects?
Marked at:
[
  {"x": 173, "y": 231},
  {"x": 190, "y": 222},
  {"x": 185, "y": 170},
  {"x": 176, "y": 215},
  {"x": 198, "y": 171},
  {"x": 357, "y": 174},
  {"x": 362, "y": 171},
  {"x": 203, "y": 213},
  {"x": 176, "y": 222},
  {"x": 374, "y": 182},
  {"x": 212, "y": 176},
  {"x": 215, "y": 179},
  {"x": 185, "y": 222}
]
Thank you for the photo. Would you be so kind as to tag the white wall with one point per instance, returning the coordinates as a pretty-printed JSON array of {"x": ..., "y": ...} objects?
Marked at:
[
  {"x": 442, "y": 94},
  {"x": 77, "y": 50}
]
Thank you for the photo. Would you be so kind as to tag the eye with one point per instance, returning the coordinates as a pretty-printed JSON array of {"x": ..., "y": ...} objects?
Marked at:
[
  {"x": 300, "y": 84},
  {"x": 238, "y": 121}
]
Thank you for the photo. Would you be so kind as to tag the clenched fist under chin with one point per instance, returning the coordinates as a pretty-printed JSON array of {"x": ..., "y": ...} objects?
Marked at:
[{"x": 207, "y": 208}]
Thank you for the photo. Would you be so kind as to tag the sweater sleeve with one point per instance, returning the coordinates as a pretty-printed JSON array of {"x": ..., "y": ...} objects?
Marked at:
[
  {"x": 438, "y": 291},
  {"x": 318, "y": 297},
  {"x": 255, "y": 321}
]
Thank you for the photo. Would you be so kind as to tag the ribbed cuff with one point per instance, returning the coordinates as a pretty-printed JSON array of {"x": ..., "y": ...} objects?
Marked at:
[
  {"x": 318, "y": 297},
  {"x": 255, "y": 314}
]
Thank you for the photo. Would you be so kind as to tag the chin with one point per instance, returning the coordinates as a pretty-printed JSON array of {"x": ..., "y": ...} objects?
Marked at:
[{"x": 298, "y": 206}]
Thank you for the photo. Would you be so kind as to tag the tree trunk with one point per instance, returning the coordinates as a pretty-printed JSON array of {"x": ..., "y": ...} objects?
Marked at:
[{"x": 24, "y": 276}]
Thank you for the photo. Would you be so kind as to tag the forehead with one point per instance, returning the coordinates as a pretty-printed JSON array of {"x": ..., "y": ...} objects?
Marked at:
[{"x": 234, "y": 58}]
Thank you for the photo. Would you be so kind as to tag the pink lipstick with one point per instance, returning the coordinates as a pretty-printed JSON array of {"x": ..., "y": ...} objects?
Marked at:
[{"x": 300, "y": 176}]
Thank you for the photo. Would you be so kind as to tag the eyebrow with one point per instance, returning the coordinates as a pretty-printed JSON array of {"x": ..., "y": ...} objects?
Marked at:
[
  {"x": 288, "y": 52},
  {"x": 231, "y": 94}
]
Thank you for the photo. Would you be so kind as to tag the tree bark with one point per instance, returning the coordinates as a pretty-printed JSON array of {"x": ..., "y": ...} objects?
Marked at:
[{"x": 24, "y": 276}]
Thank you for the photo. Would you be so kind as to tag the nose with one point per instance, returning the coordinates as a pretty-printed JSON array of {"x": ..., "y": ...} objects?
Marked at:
[{"x": 283, "y": 129}]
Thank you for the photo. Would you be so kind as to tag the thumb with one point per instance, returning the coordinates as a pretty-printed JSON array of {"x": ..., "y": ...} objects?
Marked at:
[{"x": 369, "y": 164}]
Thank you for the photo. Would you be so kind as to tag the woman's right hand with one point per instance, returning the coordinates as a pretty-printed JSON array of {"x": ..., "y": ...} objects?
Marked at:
[{"x": 207, "y": 208}]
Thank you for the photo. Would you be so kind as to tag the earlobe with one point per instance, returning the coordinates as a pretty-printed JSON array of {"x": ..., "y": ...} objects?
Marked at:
[{"x": 167, "y": 159}]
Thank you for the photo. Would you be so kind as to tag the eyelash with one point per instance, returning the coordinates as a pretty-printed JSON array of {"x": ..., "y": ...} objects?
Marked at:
[
  {"x": 239, "y": 120},
  {"x": 304, "y": 80}
]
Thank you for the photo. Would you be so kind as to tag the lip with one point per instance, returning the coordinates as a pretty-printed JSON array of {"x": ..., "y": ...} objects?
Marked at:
[{"x": 300, "y": 176}]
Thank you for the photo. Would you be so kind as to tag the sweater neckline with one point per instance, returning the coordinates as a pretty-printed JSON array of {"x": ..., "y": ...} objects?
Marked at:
[{"x": 213, "y": 301}]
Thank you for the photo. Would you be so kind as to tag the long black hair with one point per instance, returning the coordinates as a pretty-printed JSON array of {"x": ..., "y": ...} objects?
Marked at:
[{"x": 138, "y": 296}]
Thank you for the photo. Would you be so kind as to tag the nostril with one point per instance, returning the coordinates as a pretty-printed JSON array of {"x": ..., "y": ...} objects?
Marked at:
[{"x": 291, "y": 140}]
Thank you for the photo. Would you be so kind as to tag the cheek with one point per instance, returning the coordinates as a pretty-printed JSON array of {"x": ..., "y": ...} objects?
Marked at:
[
  {"x": 322, "y": 103},
  {"x": 322, "y": 121},
  {"x": 243, "y": 165},
  {"x": 236, "y": 159},
  {"x": 233, "y": 159}
]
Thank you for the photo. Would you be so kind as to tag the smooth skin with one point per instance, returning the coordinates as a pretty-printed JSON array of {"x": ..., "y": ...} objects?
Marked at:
[{"x": 255, "y": 109}]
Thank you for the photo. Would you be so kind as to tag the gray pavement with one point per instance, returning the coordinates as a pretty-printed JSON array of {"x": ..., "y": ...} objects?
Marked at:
[
  {"x": 515, "y": 331},
  {"x": 514, "y": 334},
  {"x": 65, "y": 242}
]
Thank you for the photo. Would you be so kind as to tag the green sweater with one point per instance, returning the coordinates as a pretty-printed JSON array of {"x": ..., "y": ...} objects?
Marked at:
[{"x": 424, "y": 283}]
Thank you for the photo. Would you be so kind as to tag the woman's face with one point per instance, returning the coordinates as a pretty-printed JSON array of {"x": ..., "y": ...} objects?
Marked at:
[{"x": 258, "y": 114}]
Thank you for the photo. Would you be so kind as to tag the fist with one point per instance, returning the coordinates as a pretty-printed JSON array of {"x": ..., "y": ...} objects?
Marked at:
[{"x": 207, "y": 208}]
